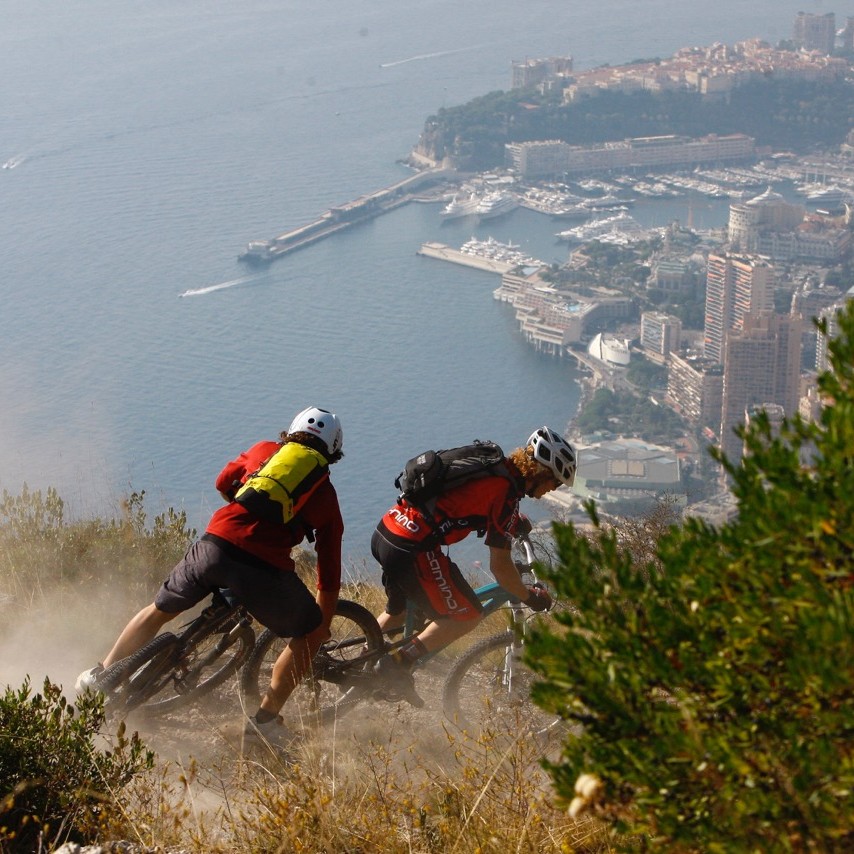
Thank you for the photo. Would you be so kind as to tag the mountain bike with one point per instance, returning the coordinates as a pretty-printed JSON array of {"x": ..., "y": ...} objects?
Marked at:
[
  {"x": 487, "y": 688},
  {"x": 178, "y": 668}
]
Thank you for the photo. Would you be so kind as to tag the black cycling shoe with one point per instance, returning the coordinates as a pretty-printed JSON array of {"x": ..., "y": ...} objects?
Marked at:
[{"x": 396, "y": 682}]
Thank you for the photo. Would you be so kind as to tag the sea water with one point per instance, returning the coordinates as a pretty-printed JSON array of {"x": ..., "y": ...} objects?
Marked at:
[{"x": 145, "y": 144}]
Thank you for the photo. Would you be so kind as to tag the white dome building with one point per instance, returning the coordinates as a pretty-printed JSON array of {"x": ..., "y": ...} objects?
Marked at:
[{"x": 613, "y": 351}]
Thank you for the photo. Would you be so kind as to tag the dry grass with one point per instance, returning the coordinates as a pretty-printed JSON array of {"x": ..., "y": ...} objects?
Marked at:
[
  {"x": 383, "y": 779},
  {"x": 362, "y": 791}
]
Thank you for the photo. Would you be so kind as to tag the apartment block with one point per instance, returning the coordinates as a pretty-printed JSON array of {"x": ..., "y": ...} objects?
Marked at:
[
  {"x": 538, "y": 158},
  {"x": 735, "y": 285},
  {"x": 695, "y": 388},
  {"x": 672, "y": 275},
  {"x": 815, "y": 32},
  {"x": 822, "y": 356},
  {"x": 761, "y": 366},
  {"x": 667, "y": 152},
  {"x": 660, "y": 333}
]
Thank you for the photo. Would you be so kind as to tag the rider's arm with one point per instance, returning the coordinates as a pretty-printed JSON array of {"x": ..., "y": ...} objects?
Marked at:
[
  {"x": 235, "y": 472},
  {"x": 327, "y": 600},
  {"x": 323, "y": 515},
  {"x": 502, "y": 567}
]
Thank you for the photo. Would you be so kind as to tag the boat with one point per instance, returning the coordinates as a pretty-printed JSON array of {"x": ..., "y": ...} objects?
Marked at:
[
  {"x": 257, "y": 253},
  {"x": 621, "y": 223},
  {"x": 831, "y": 196},
  {"x": 496, "y": 204},
  {"x": 458, "y": 207},
  {"x": 495, "y": 250}
]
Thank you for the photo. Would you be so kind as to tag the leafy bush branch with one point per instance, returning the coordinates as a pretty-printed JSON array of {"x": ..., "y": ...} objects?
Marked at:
[{"x": 715, "y": 678}]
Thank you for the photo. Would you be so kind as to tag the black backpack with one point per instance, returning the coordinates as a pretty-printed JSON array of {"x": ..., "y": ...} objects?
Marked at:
[{"x": 431, "y": 473}]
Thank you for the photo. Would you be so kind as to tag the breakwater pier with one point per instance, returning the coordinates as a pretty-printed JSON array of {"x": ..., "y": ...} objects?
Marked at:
[{"x": 342, "y": 217}]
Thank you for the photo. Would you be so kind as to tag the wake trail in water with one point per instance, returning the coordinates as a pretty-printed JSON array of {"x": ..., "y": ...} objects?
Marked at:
[
  {"x": 198, "y": 292},
  {"x": 423, "y": 56}
]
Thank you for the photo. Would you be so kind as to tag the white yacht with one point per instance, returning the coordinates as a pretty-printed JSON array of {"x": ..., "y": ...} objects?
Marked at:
[
  {"x": 458, "y": 207},
  {"x": 496, "y": 204},
  {"x": 621, "y": 223}
]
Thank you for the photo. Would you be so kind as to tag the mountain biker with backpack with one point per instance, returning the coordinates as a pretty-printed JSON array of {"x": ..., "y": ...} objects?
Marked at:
[
  {"x": 445, "y": 496},
  {"x": 278, "y": 494}
]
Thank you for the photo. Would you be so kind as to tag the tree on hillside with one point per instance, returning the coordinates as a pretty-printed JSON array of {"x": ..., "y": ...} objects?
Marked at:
[
  {"x": 715, "y": 681},
  {"x": 782, "y": 112}
]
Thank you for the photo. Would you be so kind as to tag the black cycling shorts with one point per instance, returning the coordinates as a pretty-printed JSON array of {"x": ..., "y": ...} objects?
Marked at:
[
  {"x": 430, "y": 579},
  {"x": 275, "y": 597}
]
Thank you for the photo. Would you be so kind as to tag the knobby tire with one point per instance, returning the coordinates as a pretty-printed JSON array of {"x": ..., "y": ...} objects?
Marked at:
[
  {"x": 488, "y": 692},
  {"x": 169, "y": 673},
  {"x": 120, "y": 681}
]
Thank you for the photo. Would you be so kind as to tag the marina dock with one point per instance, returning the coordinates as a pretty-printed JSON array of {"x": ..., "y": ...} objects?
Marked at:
[
  {"x": 260, "y": 252},
  {"x": 490, "y": 255},
  {"x": 446, "y": 253}
]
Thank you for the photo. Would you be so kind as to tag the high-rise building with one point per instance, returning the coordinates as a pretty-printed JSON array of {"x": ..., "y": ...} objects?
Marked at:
[
  {"x": 660, "y": 333},
  {"x": 815, "y": 32},
  {"x": 761, "y": 366},
  {"x": 829, "y": 316},
  {"x": 695, "y": 389},
  {"x": 735, "y": 285}
]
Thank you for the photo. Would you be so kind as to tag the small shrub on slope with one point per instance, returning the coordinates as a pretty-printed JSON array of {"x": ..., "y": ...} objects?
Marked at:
[{"x": 55, "y": 783}]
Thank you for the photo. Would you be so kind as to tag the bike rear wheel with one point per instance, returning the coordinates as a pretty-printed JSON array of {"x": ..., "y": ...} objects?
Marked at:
[
  {"x": 171, "y": 672},
  {"x": 488, "y": 692},
  {"x": 356, "y": 642}
]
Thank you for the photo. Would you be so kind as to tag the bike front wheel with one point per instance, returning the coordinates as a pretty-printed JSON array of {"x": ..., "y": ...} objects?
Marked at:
[
  {"x": 488, "y": 693},
  {"x": 356, "y": 642}
]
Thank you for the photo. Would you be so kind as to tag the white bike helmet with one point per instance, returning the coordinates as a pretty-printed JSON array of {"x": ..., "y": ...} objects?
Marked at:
[
  {"x": 323, "y": 424},
  {"x": 555, "y": 453}
]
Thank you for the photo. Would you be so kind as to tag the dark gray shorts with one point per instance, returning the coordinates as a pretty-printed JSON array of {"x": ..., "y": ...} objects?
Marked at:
[{"x": 274, "y": 597}]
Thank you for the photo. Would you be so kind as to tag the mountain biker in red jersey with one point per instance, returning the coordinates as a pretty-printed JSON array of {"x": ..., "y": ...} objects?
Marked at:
[
  {"x": 250, "y": 554},
  {"x": 408, "y": 547}
]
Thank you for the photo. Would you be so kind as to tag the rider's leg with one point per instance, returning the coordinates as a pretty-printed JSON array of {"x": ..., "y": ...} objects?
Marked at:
[
  {"x": 391, "y": 621},
  {"x": 309, "y": 624},
  {"x": 190, "y": 580},
  {"x": 440, "y": 633},
  {"x": 448, "y": 596},
  {"x": 138, "y": 632},
  {"x": 290, "y": 667}
]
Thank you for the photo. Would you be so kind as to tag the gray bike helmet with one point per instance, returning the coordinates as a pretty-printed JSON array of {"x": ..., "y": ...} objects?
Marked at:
[
  {"x": 555, "y": 453},
  {"x": 323, "y": 424}
]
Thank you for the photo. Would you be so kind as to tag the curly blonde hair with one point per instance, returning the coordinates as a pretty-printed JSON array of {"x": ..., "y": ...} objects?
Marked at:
[{"x": 523, "y": 459}]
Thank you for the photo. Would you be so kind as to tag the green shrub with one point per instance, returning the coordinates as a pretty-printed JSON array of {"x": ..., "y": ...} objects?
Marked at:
[
  {"x": 55, "y": 783},
  {"x": 715, "y": 681}
]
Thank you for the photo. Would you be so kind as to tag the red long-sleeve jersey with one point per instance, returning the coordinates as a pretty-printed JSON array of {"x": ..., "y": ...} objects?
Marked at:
[
  {"x": 489, "y": 504},
  {"x": 272, "y": 542}
]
